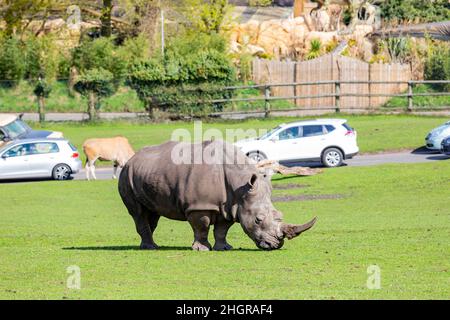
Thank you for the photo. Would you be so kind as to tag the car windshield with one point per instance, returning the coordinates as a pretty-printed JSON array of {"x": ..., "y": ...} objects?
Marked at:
[
  {"x": 16, "y": 128},
  {"x": 269, "y": 133}
]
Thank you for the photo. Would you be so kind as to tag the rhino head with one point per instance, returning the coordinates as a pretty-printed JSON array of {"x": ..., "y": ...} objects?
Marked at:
[{"x": 259, "y": 218}]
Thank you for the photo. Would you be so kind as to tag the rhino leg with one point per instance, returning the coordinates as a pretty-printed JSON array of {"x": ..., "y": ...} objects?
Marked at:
[
  {"x": 200, "y": 222},
  {"x": 146, "y": 223},
  {"x": 220, "y": 234}
]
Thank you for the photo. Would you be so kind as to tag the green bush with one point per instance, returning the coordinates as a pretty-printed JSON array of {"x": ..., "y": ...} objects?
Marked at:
[
  {"x": 42, "y": 58},
  {"x": 183, "y": 83},
  {"x": 12, "y": 61},
  {"x": 95, "y": 84},
  {"x": 316, "y": 49},
  {"x": 437, "y": 65},
  {"x": 100, "y": 53},
  {"x": 410, "y": 10}
]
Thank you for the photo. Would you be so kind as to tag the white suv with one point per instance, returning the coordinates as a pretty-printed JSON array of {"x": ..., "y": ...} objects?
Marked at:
[{"x": 327, "y": 140}]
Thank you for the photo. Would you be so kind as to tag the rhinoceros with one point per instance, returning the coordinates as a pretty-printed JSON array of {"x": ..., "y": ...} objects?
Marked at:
[{"x": 208, "y": 183}]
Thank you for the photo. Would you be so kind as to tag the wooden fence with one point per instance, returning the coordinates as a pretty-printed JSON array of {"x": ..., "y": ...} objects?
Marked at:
[
  {"x": 285, "y": 91},
  {"x": 365, "y": 78}
]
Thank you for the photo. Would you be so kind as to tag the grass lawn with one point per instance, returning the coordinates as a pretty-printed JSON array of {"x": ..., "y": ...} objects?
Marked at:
[
  {"x": 421, "y": 101},
  {"x": 22, "y": 99},
  {"x": 394, "y": 216},
  {"x": 375, "y": 132}
]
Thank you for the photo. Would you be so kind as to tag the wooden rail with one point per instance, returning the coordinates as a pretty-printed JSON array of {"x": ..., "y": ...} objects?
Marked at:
[{"x": 268, "y": 97}]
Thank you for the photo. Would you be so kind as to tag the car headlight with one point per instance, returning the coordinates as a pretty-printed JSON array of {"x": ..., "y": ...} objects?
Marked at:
[{"x": 446, "y": 141}]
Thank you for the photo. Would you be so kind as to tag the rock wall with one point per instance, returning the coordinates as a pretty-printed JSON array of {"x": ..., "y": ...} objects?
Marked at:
[{"x": 290, "y": 38}]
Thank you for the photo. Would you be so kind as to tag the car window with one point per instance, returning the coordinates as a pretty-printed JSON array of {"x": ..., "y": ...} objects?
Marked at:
[
  {"x": 311, "y": 131},
  {"x": 45, "y": 147},
  {"x": 72, "y": 147},
  {"x": 290, "y": 133},
  {"x": 330, "y": 128},
  {"x": 16, "y": 128},
  {"x": 346, "y": 126},
  {"x": 267, "y": 134},
  {"x": 20, "y": 150}
]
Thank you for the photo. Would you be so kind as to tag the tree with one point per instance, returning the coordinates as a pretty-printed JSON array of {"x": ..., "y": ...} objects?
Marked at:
[
  {"x": 42, "y": 58},
  {"x": 207, "y": 16},
  {"x": 411, "y": 10},
  {"x": 102, "y": 68},
  {"x": 42, "y": 91},
  {"x": 12, "y": 61},
  {"x": 95, "y": 84},
  {"x": 18, "y": 14},
  {"x": 193, "y": 71},
  {"x": 437, "y": 65},
  {"x": 106, "y": 29}
]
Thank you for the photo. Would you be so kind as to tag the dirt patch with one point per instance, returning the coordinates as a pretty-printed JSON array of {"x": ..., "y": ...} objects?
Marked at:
[
  {"x": 290, "y": 186},
  {"x": 305, "y": 197}
]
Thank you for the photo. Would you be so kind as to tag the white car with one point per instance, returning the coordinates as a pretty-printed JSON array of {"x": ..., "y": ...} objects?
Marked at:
[
  {"x": 327, "y": 140},
  {"x": 434, "y": 139},
  {"x": 39, "y": 158}
]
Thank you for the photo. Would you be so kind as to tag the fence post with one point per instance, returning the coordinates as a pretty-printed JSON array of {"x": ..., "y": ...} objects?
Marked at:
[
  {"x": 337, "y": 87},
  {"x": 410, "y": 96},
  {"x": 267, "y": 101}
]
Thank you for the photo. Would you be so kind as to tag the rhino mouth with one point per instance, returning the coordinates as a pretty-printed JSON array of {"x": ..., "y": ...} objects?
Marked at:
[
  {"x": 268, "y": 245},
  {"x": 271, "y": 242}
]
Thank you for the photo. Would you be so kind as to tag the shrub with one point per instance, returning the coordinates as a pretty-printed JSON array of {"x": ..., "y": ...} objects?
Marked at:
[
  {"x": 42, "y": 58},
  {"x": 183, "y": 82},
  {"x": 42, "y": 91},
  {"x": 12, "y": 61},
  {"x": 103, "y": 68},
  {"x": 100, "y": 53},
  {"x": 95, "y": 84},
  {"x": 206, "y": 16},
  {"x": 316, "y": 49},
  {"x": 437, "y": 65},
  {"x": 411, "y": 10}
]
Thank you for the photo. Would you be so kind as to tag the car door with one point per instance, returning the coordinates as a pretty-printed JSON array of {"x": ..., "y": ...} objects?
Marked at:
[
  {"x": 312, "y": 141},
  {"x": 285, "y": 143},
  {"x": 43, "y": 158},
  {"x": 15, "y": 162}
]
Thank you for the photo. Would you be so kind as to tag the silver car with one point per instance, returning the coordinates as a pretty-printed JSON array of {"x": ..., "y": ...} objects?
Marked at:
[{"x": 39, "y": 158}]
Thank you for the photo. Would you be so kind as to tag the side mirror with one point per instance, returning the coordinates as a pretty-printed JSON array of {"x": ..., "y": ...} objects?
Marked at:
[{"x": 275, "y": 138}]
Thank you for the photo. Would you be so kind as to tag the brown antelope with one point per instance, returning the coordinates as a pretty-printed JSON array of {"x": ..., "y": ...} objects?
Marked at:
[{"x": 117, "y": 149}]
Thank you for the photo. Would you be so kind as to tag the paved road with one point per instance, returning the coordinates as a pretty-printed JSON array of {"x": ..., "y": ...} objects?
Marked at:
[
  {"x": 358, "y": 161},
  {"x": 57, "y": 117}
]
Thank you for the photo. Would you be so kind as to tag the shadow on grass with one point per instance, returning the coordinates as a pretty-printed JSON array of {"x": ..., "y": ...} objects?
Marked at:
[
  {"x": 441, "y": 157},
  {"x": 131, "y": 248},
  {"x": 424, "y": 150}
]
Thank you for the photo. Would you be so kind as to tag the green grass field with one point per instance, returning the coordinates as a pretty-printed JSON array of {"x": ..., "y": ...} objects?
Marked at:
[
  {"x": 376, "y": 133},
  {"x": 421, "y": 101},
  {"x": 22, "y": 99},
  {"x": 392, "y": 216}
]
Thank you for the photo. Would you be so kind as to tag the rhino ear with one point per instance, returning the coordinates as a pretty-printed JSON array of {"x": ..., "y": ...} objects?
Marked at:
[{"x": 251, "y": 184}]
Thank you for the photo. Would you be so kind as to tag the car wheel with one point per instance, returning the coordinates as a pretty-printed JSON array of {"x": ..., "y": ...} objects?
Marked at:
[
  {"x": 257, "y": 156},
  {"x": 332, "y": 157},
  {"x": 61, "y": 172}
]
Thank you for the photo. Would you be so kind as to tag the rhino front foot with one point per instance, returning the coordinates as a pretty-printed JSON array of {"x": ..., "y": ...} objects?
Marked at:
[
  {"x": 148, "y": 246},
  {"x": 222, "y": 246},
  {"x": 198, "y": 246}
]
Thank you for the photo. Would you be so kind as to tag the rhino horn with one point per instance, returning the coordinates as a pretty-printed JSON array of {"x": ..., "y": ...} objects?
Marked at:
[{"x": 293, "y": 230}]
